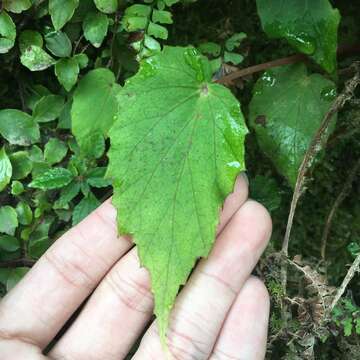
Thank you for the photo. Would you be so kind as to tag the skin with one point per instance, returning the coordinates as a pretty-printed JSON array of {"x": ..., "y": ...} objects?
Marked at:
[{"x": 221, "y": 314}]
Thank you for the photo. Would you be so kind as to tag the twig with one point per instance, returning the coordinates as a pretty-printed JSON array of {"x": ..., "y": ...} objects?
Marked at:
[
  {"x": 343, "y": 50},
  {"x": 350, "y": 274},
  {"x": 315, "y": 146},
  {"x": 337, "y": 203},
  {"x": 16, "y": 263},
  {"x": 261, "y": 67}
]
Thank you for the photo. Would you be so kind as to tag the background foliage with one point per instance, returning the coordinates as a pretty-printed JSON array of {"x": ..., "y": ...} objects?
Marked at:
[{"x": 60, "y": 66}]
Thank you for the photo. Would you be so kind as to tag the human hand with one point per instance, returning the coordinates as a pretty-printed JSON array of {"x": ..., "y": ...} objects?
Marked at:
[{"x": 222, "y": 312}]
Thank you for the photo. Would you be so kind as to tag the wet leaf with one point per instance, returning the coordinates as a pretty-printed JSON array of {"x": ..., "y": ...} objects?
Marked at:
[
  {"x": 54, "y": 178},
  {"x": 176, "y": 149},
  {"x": 310, "y": 27},
  {"x": 286, "y": 111}
]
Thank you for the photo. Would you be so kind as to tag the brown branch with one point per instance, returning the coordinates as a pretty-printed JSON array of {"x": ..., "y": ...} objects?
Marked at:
[
  {"x": 343, "y": 50},
  {"x": 227, "y": 79},
  {"x": 350, "y": 274},
  {"x": 17, "y": 263},
  {"x": 344, "y": 192}
]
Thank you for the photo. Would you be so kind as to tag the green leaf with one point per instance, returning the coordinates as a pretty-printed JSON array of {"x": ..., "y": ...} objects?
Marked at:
[
  {"x": 55, "y": 150},
  {"x": 15, "y": 276},
  {"x": 176, "y": 149},
  {"x": 9, "y": 243},
  {"x": 21, "y": 164},
  {"x": 28, "y": 38},
  {"x": 36, "y": 59},
  {"x": 82, "y": 60},
  {"x": 18, "y": 128},
  {"x": 24, "y": 213},
  {"x": 162, "y": 17},
  {"x": 61, "y": 11},
  {"x": 17, "y": 188},
  {"x": 134, "y": 23},
  {"x": 34, "y": 94},
  {"x": 310, "y": 27},
  {"x": 266, "y": 191},
  {"x": 48, "y": 108},
  {"x": 138, "y": 10},
  {"x": 233, "y": 58},
  {"x": 54, "y": 178},
  {"x": 95, "y": 28},
  {"x": 86, "y": 206},
  {"x": 94, "y": 106},
  {"x": 17, "y": 6},
  {"x": 106, "y": 6},
  {"x": 210, "y": 48},
  {"x": 66, "y": 195},
  {"x": 286, "y": 111},
  {"x": 7, "y": 32},
  {"x": 67, "y": 71},
  {"x": 8, "y": 220},
  {"x": 234, "y": 41},
  {"x": 157, "y": 31},
  {"x": 58, "y": 43},
  {"x": 95, "y": 178},
  {"x": 5, "y": 169}
]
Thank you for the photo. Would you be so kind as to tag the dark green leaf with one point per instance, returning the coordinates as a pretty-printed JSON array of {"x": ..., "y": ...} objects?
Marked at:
[
  {"x": 58, "y": 44},
  {"x": 48, "y": 108},
  {"x": 7, "y": 32},
  {"x": 54, "y": 178},
  {"x": 21, "y": 164},
  {"x": 55, "y": 150},
  {"x": 28, "y": 38},
  {"x": 5, "y": 169},
  {"x": 107, "y": 6},
  {"x": 61, "y": 11},
  {"x": 286, "y": 111},
  {"x": 9, "y": 243},
  {"x": 95, "y": 28},
  {"x": 84, "y": 208},
  {"x": 24, "y": 213},
  {"x": 95, "y": 178},
  {"x": 266, "y": 191},
  {"x": 310, "y": 27},
  {"x": 67, "y": 71},
  {"x": 17, "y": 6},
  {"x": 8, "y": 220},
  {"x": 94, "y": 106},
  {"x": 18, "y": 127}
]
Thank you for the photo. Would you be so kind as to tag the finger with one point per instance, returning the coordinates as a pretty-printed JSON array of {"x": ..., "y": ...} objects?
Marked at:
[
  {"x": 126, "y": 288},
  {"x": 244, "y": 333},
  {"x": 202, "y": 306},
  {"x": 60, "y": 281}
]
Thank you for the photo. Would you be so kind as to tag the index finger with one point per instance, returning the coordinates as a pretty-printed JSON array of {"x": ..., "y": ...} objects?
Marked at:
[{"x": 60, "y": 281}]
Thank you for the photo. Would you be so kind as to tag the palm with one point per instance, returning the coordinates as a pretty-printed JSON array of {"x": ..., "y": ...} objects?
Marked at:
[{"x": 222, "y": 313}]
